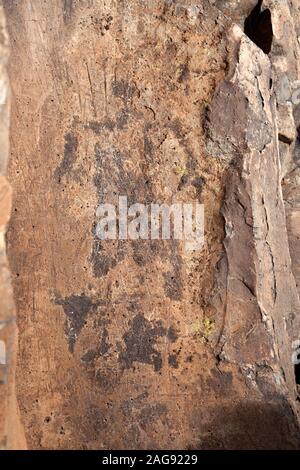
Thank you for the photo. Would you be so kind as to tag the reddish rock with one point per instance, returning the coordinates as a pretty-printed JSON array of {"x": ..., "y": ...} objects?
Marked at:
[{"x": 139, "y": 344}]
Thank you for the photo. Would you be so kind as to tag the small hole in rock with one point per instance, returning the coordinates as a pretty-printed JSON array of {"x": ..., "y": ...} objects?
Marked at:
[
  {"x": 258, "y": 27},
  {"x": 284, "y": 139}
]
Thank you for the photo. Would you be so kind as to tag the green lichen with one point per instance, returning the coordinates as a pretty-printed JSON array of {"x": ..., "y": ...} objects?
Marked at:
[
  {"x": 204, "y": 328},
  {"x": 181, "y": 171}
]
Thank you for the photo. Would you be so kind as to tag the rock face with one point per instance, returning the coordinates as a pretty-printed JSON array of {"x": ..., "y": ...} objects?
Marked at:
[
  {"x": 140, "y": 344},
  {"x": 260, "y": 322},
  {"x": 11, "y": 433}
]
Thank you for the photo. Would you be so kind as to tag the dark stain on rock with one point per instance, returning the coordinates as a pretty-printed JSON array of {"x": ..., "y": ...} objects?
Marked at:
[
  {"x": 69, "y": 158},
  {"x": 104, "y": 260},
  {"x": 173, "y": 284},
  {"x": 130, "y": 405},
  {"x": 172, "y": 334},
  {"x": 92, "y": 419},
  {"x": 171, "y": 49},
  {"x": 184, "y": 72},
  {"x": 76, "y": 309},
  {"x": 99, "y": 155},
  {"x": 89, "y": 356},
  {"x": 148, "y": 145},
  {"x": 104, "y": 345},
  {"x": 67, "y": 10},
  {"x": 123, "y": 90},
  {"x": 145, "y": 251},
  {"x": 183, "y": 182},
  {"x": 198, "y": 182},
  {"x": 122, "y": 118},
  {"x": 173, "y": 361},
  {"x": 151, "y": 413},
  {"x": 106, "y": 379},
  {"x": 102, "y": 350},
  {"x": 140, "y": 341},
  {"x": 101, "y": 263},
  {"x": 103, "y": 24},
  {"x": 98, "y": 126},
  {"x": 112, "y": 178},
  {"x": 120, "y": 122}
]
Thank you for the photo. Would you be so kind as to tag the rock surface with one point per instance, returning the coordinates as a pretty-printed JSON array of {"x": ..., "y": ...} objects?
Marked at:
[
  {"x": 11, "y": 432},
  {"x": 139, "y": 344}
]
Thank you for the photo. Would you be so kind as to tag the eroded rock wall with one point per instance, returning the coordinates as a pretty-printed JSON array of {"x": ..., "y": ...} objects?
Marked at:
[{"x": 139, "y": 344}]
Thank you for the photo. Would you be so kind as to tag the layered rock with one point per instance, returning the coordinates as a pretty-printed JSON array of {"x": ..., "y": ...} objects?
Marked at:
[{"x": 252, "y": 128}]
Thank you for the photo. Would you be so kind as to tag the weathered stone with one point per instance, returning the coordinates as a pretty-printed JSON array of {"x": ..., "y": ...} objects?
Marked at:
[
  {"x": 139, "y": 344},
  {"x": 11, "y": 432},
  {"x": 5, "y": 201}
]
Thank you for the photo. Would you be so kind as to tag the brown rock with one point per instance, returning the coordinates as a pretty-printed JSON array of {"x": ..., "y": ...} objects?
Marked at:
[
  {"x": 139, "y": 344},
  {"x": 5, "y": 201},
  {"x": 11, "y": 431}
]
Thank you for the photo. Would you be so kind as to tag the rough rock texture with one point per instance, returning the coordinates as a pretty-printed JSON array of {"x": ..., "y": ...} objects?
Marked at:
[
  {"x": 260, "y": 320},
  {"x": 141, "y": 344},
  {"x": 11, "y": 433}
]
